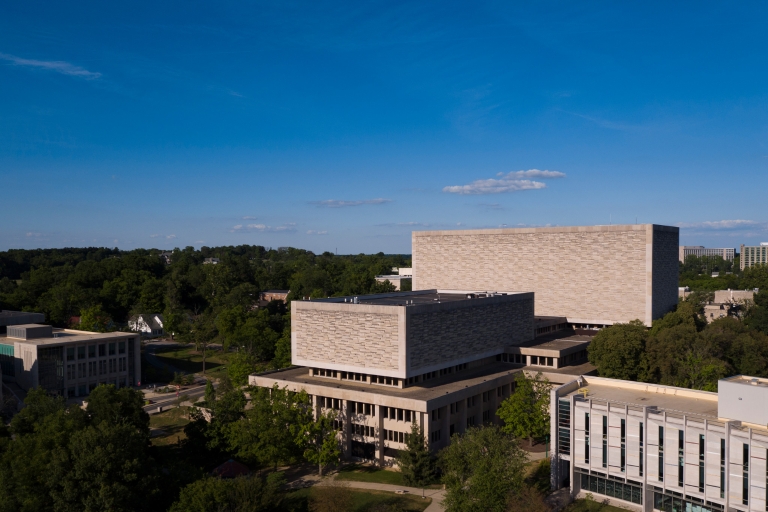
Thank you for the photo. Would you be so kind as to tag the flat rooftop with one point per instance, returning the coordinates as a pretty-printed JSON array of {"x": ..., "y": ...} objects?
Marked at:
[
  {"x": 417, "y": 297},
  {"x": 639, "y": 394},
  {"x": 423, "y": 391},
  {"x": 563, "y": 342},
  {"x": 62, "y": 336}
]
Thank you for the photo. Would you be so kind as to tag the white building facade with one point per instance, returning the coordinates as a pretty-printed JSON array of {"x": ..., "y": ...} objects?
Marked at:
[{"x": 648, "y": 447}]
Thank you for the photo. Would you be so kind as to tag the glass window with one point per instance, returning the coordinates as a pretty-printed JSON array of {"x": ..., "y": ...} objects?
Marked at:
[
  {"x": 81, "y": 352},
  {"x": 121, "y": 347},
  {"x": 102, "y": 350},
  {"x": 111, "y": 349},
  {"x": 70, "y": 353},
  {"x": 91, "y": 351}
]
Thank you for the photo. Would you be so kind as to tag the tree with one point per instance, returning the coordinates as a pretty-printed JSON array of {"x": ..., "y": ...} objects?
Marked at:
[
  {"x": 94, "y": 319},
  {"x": 618, "y": 351},
  {"x": 242, "y": 494},
  {"x": 282, "y": 357},
  {"x": 320, "y": 441},
  {"x": 757, "y": 316},
  {"x": 115, "y": 406},
  {"x": 526, "y": 412},
  {"x": 416, "y": 462},
  {"x": 210, "y": 393},
  {"x": 241, "y": 365},
  {"x": 482, "y": 470}
]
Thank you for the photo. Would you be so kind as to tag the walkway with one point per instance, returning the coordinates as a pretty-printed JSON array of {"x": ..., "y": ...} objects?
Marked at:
[{"x": 437, "y": 495}]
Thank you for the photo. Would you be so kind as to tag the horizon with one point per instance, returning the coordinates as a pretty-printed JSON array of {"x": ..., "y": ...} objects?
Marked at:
[{"x": 343, "y": 128}]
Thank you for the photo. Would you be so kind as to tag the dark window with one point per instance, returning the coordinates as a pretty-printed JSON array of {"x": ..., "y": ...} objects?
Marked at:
[
  {"x": 605, "y": 441},
  {"x": 722, "y": 468},
  {"x": 102, "y": 350},
  {"x": 745, "y": 475},
  {"x": 701, "y": 463},
  {"x": 661, "y": 454},
  {"x": 91, "y": 351},
  {"x": 121, "y": 347},
  {"x": 564, "y": 426},
  {"x": 70, "y": 353},
  {"x": 641, "y": 448},
  {"x": 586, "y": 437},
  {"x": 81, "y": 352},
  {"x": 680, "y": 457},
  {"x": 111, "y": 349}
]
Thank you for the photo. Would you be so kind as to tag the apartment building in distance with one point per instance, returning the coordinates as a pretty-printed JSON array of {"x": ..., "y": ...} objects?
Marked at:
[
  {"x": 443, "y": 359},
  {"x": 752, "y": 255},
  {"x": 727, "y": 253},
  {"x": 591, "y": 275},
  {"x": 68, "y": 362},
  {"x": 649, "y": 447}
]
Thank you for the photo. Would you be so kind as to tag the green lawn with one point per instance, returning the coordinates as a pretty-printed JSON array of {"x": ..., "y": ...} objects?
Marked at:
[
  {"x": 365, "y": 473},
  {"x": 188, "y": 360},
  {"x": 363, "y": 500},
  {"x": 590, "y": 506},
  {"x": 172, "y": 423}
]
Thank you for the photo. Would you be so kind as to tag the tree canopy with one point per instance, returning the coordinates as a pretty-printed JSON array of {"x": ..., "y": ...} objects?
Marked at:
[{"x": 526, "y": 411}]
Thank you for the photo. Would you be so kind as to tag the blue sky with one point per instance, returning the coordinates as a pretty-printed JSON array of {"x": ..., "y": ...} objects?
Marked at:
[{"x": 345, "y": 126}]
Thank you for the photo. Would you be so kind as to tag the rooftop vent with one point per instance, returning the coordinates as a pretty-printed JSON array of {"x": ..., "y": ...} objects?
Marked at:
[{"x": 30, "y": 331}]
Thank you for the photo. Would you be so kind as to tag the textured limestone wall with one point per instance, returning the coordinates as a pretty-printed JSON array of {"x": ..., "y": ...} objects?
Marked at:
[
  {"x": 440, "y": 337},
  {"x": 357, "y": 339},
  {"x": 594, "y": 274}
]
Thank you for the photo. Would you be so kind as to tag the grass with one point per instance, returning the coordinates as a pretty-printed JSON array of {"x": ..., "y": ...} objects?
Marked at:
[
  {"x": 172, "y": 423},
  {"x": 365, "y": 473},
  {"x": 188, "y": 360},
  {"x": 591, "y": 506},
  {"x": 362, "y": 501}
]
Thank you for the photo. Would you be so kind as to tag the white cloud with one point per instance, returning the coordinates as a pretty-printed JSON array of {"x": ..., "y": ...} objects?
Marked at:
[
  {"x": 170, "y": 237},
  {"x": 65, "y": 68},
  {"x": 199, "y": 241},
  {"x": 154, "y": 236},
  {"x": 724, "y": 224},
  {"x": 334, "y": 203},
  {"x": 248, "y": 217},
  {"x": 34, "y": 234},
  {"x": 263, "y": 228},
  {"x": 313, "y": 232},
  {"x": 514, "y": 181}
]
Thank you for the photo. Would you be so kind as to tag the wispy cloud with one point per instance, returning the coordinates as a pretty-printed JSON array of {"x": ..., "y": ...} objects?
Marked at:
[
  {"x": 491, "y": 206},
  {"x": 248, "y": 217},
  {"x": 313, "y": 232},
  {"x": 59, "y": 66},
  {"x": 734, "y": 224},
  {"x": 334, "y": 203},
  {"x": 263, "y": 228},
  {"x": 154, "y": 236},
  {"x": 34, "y": 234},
  {"x": 514, "y": 181},
  {"x": 170, "y": 237}
]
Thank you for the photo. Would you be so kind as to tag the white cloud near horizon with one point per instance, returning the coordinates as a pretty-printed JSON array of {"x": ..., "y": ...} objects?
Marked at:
[
  {"x": 334, "y": 203},
  {"x": 723, "y": 224},
  {"x": 514, "y": 181},
  {"x": 313, "y": 232},
  {"x": 170, "y": 237},
  {"x": 263, "y": 228},
  {"x": 59, "y": 66}
]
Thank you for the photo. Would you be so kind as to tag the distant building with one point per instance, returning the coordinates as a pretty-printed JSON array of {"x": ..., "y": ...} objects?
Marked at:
[
  {"x": 67, "y": 362},
  {"x": 8, "y": 317},
  {"x": 403, "y": 274},
  {"x": 752, "y": 255},
  {"x": 211, "y": 261},
  {"x": 166, "y": 257},
  {"x": 646, "y": 447},
  {"x": 271, "y": 295},
  {"x": 149, "y": 325},
  {"x": 726, "y": 253}
]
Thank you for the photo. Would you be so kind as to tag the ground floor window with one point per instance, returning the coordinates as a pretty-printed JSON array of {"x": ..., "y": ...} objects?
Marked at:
[
  {"x": 669, "y": 503},
  {"x": 363, "y": 450},
  {"x": 612, "y": 488}
]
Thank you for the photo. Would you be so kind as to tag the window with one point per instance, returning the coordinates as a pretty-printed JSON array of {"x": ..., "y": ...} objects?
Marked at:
[
  {"x": 70, "y": 353},
  {"x": 612, "y": 488},
  {"x": 102, "y": 350},
  {"x": 680, "y": 457},
  {"x": 661, "y": 454},
  {"x": 435, "y": 414},
  {"x": 564, "y": 426},
  {"x": 71, "y": 392},
  {"x": 641, "y": 448},
  {"x": 486, "y": 416},
  {"x": 745, "y": 475},
  {"x": 701, "y": 462},
  {"x": 408, "y": 416},
  {"x": 605, "y": 441},
  {"x": 722, "y": 468},
  {"x": 111, "y": 349},
  {"x": 470, "y": 421},
  {"x": 81, "y": 352},
  {"x": 121, "y": 347},
  {"x": 435, "y": 436},
  {"x": 586, "y": 437},
  {"x": 91, "y": 351},
  {"x": 623, "y": 445}
]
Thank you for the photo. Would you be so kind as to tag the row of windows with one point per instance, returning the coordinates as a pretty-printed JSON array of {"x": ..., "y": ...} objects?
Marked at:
[
  {"x": 356, "y": 377},
  {"x": 395, "y": 436},
  {"x": 619, "y": 490},
  {"x": 95, "y": 368},
  {"x": 512, "y": 358},
  {"x": 437, "y": 373},
  {"x": 392, "y": 413},
  {"x": 104, "y": 349},
  {"x": 363, "y": 430}
]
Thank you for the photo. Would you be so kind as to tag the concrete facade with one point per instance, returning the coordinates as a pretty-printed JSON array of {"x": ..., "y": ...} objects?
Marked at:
[
  {"x": 648, "y": 447},
  {"x": 752, "y": 255},
  {"x": 727, "y": 253},
  {"x": 593, "y": 275},
  {"x": 68, "y": 362},
  {"x": 412, "y": 334}
]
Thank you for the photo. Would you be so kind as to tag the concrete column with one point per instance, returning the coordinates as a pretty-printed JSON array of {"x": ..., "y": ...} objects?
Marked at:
[
  {"x": 495, "y": 399},
  {"x": 379, "y": 434},
  {"x": 445, "y": 425},
  {"x": 462, "y": 426}
]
